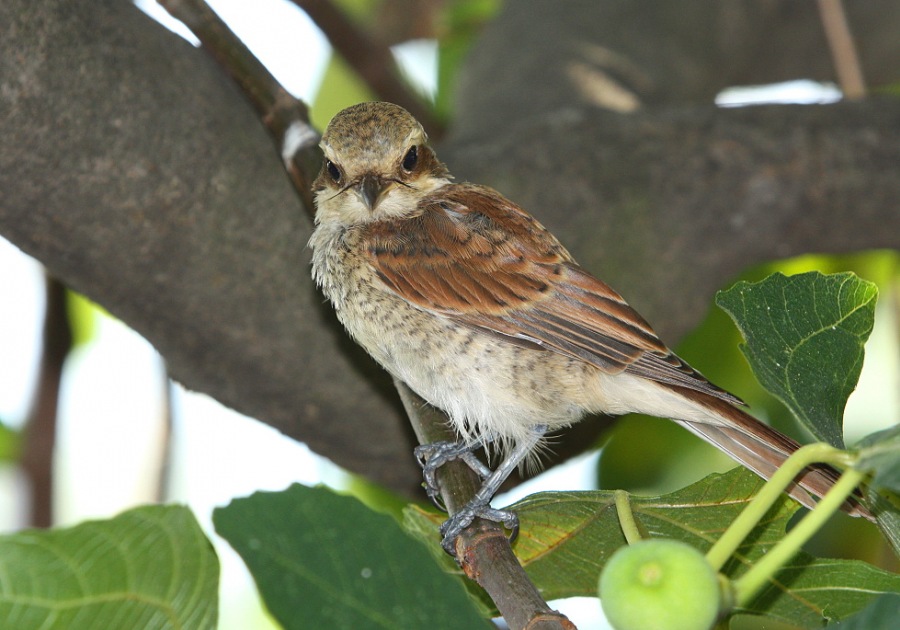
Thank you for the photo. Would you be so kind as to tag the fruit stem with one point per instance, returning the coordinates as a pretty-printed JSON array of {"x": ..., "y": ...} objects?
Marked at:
[
  {"x": 626, "y": 518},
  {"x": 729, "y": 542},
  {"x": 749, "y": 584}
]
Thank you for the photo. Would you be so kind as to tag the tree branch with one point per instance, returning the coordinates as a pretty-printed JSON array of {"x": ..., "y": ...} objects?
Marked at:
[
  {"x": 286, "y": 117},
  {"x": 372, "y": 61},
  {"x": 40, "y": 432},
  {"x": 482, "y": 550},
  {"x": 843, "y": 50}
]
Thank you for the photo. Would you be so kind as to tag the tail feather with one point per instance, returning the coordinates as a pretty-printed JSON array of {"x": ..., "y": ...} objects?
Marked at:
[{"x": 762, "y": 449}]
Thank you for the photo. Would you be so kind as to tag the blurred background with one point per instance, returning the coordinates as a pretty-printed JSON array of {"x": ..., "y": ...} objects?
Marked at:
[{"x": 125, "y": 434}]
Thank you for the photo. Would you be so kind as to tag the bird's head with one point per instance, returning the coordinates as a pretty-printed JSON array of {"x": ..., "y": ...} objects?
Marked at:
[{"x": 376, "y": 166}]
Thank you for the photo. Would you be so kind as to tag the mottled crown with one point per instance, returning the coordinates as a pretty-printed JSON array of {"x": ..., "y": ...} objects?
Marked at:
[{"x": 368, "y": 131}]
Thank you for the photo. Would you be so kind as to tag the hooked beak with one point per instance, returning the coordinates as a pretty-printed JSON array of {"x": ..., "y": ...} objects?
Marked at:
[{"x": 369, "y": 189}]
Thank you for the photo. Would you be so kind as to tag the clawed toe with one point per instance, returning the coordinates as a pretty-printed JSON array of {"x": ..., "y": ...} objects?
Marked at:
[
  {"x": 433, "y": 456},
  {"x": 456, "y": 524},
  {"x": 430, "y": 458}
]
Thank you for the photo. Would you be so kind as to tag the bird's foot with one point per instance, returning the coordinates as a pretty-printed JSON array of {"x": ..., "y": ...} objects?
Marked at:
[
  {"x": 433, "y": 456},
  {"x": 454, "y": 526}
]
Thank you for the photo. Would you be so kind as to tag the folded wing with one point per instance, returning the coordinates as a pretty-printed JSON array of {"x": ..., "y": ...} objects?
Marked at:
[{"x": 471, "y": 255}]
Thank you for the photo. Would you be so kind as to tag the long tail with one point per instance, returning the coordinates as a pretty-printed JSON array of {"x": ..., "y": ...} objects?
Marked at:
[{"x": 762, "y": 449}]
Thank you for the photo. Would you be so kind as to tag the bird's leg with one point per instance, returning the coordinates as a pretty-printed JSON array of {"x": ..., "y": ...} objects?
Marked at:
[
  {"x": 433, "y": 456},
  {"x": 480, "y": 505}
]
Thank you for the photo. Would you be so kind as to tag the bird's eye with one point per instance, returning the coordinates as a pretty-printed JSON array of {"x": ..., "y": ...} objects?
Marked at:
[
  {"x": 333, "y": 171},
  {"x": 410, "y": 159}
]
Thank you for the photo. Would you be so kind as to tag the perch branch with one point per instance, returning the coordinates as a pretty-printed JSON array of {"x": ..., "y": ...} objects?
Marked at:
[{"x": 483, "y": 549}]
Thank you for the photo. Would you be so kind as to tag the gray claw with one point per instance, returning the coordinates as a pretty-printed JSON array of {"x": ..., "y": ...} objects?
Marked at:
[
  {"x": 433, "y": 456},
  {"x": 456, "y": 524}
]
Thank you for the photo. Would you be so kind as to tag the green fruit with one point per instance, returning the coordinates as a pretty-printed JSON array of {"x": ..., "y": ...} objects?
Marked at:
[{"x": 659, "y": 585}]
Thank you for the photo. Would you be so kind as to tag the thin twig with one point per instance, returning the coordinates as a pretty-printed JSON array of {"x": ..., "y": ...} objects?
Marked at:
[
  {"x": 286, "y": 117},
  {"x": 483, "y": 549},
  {"x": 843, "y": 50},
  {"x": 371, "y": 60},
  {"x": 40, "y": 432}
]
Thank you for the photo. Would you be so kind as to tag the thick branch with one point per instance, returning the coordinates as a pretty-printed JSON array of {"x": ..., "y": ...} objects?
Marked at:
[
  {"x": 134, "y": 168},
  {"x": 659, "y": 52}
]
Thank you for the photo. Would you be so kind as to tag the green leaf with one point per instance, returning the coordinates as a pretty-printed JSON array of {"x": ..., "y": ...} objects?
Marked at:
[
  {"x": 322, "y": 560},
  {"x": 881, "y": 614},
  {"x": 567, "y": 537},
  {"x": 888, "y": 518},
  {"x": 423, "y": 525},
  {"x": 810, "y": 590},
  {"x": 879, "y": 454},
  {"x": 805, "y": 337},
  {"x": 151, "y": 567}
]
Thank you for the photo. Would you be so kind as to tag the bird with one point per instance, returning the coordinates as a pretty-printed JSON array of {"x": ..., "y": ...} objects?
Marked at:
[{"x": 466, "y": 298}]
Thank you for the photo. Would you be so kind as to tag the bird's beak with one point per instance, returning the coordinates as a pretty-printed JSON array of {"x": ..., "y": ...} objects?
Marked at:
[{"x": 370, "y": 189}]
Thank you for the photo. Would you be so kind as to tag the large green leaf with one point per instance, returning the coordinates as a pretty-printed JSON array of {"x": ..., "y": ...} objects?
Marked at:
[
  {"x": 322, "y": 560},
  {"x": 151, "y": 567},
  {"x": 567, "y": 537},
  {"x": 804, "y": 340}
]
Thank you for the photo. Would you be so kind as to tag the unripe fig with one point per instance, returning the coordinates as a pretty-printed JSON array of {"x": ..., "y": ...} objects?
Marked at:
[{"x": 659, "y": 585}]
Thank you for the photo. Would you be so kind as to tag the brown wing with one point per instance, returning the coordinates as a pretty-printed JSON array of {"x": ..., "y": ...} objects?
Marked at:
[{"x": 473, "y": 256}]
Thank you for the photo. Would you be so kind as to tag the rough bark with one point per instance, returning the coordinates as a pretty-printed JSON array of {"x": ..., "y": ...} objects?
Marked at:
[
  {"x": 134, "y": 170},
  {"x": 669, "y": 206}
]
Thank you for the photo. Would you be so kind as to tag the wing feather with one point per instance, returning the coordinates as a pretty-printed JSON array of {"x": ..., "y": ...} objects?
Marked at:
[{"x": 474, "y": 257}]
